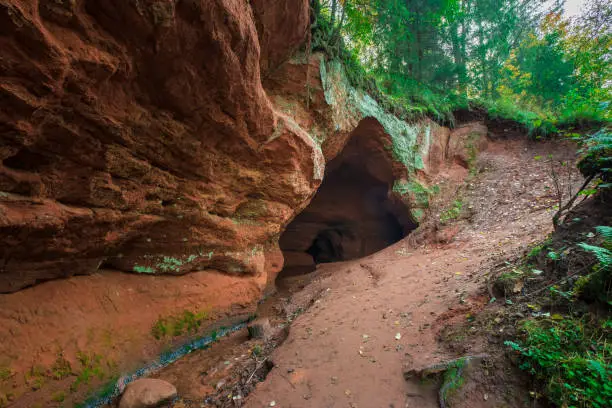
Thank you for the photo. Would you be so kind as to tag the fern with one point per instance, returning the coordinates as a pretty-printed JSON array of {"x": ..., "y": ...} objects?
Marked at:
[
  {"x": 605, "y": 232},
  {"x": 603, "y": 255},
  {"x": 597, "y": 156}
]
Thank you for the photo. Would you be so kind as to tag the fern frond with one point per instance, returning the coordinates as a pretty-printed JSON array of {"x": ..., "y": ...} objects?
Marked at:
[
  {"x": 603, "y": 255},
  {"x": 605, "y": 232}
]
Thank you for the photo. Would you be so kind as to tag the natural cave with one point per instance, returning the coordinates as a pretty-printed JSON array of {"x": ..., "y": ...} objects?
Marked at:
[{"x": 353, "y": 214}]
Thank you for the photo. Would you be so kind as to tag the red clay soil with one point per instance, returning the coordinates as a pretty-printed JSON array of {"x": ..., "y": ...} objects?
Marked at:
[{"x": 382, "y": 315}]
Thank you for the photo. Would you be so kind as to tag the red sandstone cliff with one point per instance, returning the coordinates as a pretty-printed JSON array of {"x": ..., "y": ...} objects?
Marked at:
[{"x": 136, "y": 133}]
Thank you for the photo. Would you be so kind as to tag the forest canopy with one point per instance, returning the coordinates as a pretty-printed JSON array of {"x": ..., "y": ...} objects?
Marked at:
[{"x": 518, "y": 59}]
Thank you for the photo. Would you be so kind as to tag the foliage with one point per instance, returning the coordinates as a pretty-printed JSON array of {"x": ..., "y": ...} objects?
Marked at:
[
  {"x": 452, "y": 379},
  {"x": 452, "y": 213},
  {"x": 35, "y": 377},
  {"x": 5, "y": 373},
  {"x": 518, "y": 59},
  {"x": 597, "y": 286},
  {"x": 257, "y": 350},
  {"x": 186, "y": 323},
  {"x": 418, "y": 193},
  {"x": 595, "y": 167},
  {"x": 536, "y": 250},
  {"x": 61, "y": 367},
  {"x": 596, "y": 160},
  {"x": 571, "y": 356},
  {"x": 90, "y": 366}
]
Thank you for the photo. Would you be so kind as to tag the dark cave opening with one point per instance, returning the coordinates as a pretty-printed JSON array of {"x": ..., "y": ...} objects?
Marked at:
[{"x": 352, "y": 215}]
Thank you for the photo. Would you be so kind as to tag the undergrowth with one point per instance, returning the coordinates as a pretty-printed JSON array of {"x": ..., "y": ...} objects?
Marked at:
[
  {"x": 453, "y": 212},
  {"x": 570, "y": 352},
  {"x": 90, "y": 367},
  {"x": 572, "y": 357},
  {"x": 418, "y": 193},
  {"x": 452, "y": 379},
  {"x": 186, "y": 323}
]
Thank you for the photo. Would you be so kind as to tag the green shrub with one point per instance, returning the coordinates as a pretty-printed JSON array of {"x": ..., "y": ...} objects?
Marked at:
[
  {"x": 573, "y": 358},
  {"x": 452, "y": 213},
  {"x": 536, "y": 250}
]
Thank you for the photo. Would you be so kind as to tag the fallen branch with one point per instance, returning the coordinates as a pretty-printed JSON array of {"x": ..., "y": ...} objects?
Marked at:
[{"x": 257, "y": 367}]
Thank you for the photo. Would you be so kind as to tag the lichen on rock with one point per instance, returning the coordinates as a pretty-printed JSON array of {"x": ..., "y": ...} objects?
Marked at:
[{"x": 410, "y": 141}]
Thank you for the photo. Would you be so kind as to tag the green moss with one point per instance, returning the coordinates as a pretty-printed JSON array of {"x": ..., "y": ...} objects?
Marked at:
[
  {"x": 418, "y": 193},
  {"x": 418, "y": 214},
  {"x": 35, "y": 377},
  {"x": 5, "y": 373},
  {"x": 170, "y": 264},
  {"x": 472, "y": 152},
  {"x": 106, "y": 391},
  {"x": 61, "y": 367},
  {"x": 452, "y": 379},
  {"x": 90, "y": 366},
  {"x": 187, "y": 322},
  {"x": 143, "y": 269}
]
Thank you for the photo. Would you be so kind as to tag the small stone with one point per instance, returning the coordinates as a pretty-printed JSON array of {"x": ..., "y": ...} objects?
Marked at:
[
  {"x": 147, "y": 393},
  {"x": 273, "y": 403},
  {"x": 398, "y": 336},
  {"x": 485, "y": 396},
  {"x": 334, "y": 380}
]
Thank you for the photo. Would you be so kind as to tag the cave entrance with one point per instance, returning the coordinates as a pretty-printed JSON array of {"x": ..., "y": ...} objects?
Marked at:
[{"x": 353, "y": 214}]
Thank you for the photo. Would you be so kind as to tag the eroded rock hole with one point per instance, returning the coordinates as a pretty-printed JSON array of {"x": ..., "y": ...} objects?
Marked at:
[{"x": 353, "y": 214}]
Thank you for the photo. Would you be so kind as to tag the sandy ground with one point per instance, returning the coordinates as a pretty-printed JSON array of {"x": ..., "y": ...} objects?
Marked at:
[{"x": 381, "y": 315}]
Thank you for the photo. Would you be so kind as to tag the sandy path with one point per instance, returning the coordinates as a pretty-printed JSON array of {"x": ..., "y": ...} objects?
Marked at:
[{"x": 345, "y": 350}]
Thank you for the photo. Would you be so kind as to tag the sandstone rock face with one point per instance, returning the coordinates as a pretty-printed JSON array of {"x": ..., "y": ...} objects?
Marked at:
[
  {"x": 282, "y": 27},
  {"x": 137, "y": 136},
  {"x": 147, "y": 393}
]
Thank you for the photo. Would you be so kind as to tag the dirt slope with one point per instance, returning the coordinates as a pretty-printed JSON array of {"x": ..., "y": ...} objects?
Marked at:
[{"x": 381, "y": 315}]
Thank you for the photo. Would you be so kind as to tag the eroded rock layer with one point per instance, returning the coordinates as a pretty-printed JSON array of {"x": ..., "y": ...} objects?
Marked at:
[{"x": 137, "y": 135}]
